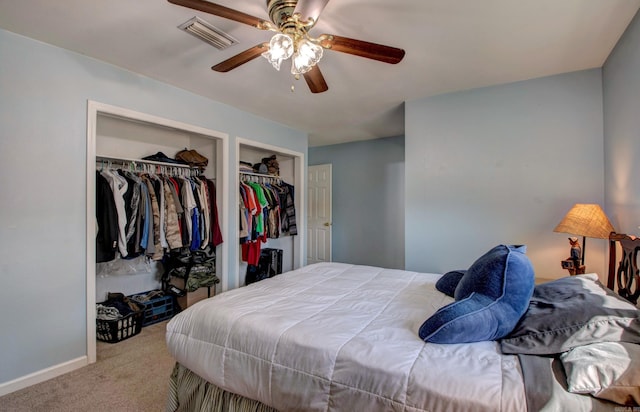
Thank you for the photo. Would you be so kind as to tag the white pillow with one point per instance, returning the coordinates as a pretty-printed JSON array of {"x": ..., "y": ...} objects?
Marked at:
[{"x": 608, "y": 370}]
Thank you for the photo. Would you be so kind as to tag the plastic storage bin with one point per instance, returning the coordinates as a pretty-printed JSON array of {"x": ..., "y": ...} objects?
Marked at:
[{"x": 155, "y": 309}]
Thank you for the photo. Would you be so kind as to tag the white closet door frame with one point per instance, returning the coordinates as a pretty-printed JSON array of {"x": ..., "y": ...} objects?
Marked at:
[
  {"x": 95, "y": 109},
  {"x": 299, "y": 163}
]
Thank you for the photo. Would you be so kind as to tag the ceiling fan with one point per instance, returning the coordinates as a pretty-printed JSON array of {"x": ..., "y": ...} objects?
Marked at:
[{"x": 291, "y": 20}]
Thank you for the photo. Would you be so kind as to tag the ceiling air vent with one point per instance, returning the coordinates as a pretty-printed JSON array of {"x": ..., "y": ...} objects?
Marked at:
[{"x": 206, "y": 32}]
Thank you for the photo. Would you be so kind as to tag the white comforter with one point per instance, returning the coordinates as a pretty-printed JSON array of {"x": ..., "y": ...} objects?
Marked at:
[{"x": 338, "y": 337}]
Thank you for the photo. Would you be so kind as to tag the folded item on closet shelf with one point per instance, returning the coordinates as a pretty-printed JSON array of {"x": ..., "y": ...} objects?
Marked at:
[
  {"x": 193, "y": 158},
  {"x": 161, "y": 157},
  {"x": 260, "y": 168},
  {"x": 245, "y": 167},
  {"x": 273, "y": 167}
]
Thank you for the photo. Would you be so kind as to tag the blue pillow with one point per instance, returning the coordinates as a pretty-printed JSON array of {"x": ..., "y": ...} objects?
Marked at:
[
  {"x": 491, "y": 297},
  {"x": 449, "y": 281}
]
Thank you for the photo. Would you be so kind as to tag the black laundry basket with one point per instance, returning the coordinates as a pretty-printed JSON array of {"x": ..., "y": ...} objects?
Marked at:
[{"x": 117, "y": 330}]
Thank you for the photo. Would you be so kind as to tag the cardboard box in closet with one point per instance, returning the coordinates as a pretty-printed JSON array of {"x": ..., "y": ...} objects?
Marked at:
[{"x": 191, "y": 297}]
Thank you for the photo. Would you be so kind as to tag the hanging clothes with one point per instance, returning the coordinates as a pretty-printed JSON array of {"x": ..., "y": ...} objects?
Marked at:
[
  {"x": 145, "y": 219},
  {"x": 132, "y": 200},
  {"x": 289, "y": 207},
  {"x": 140, "y": 212},
  {"x": 118, "y": 187},
  {"x": 154, "y": 247},
  {"x": 266, "y": 210},
  {"x": 106, "y": 221},
  {"x": 172, "y": 229},
  {"x": 216, "y": 233}
]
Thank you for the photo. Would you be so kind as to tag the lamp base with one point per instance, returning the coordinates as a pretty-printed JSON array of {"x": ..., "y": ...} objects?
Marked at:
[
  {"x": 573, "y": 266},
  {"x": 577, "y": 271}
]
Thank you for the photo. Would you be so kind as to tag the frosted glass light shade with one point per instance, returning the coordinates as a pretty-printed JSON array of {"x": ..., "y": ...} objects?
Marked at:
[
  {"x": 280, "y": 48},
  {"x": 307, "y": 56}
]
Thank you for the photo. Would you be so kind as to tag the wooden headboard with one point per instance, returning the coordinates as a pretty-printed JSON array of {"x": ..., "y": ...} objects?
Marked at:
[{"x": 626, "y": 276}]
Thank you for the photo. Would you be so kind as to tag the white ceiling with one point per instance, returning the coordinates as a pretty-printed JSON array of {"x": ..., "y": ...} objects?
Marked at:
[{"x": 450, "y": 45}]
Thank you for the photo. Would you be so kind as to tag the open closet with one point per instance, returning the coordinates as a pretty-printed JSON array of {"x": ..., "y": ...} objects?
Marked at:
[
  {"x": 286, "y": 235},
  {"x": 119, "y": 140}
]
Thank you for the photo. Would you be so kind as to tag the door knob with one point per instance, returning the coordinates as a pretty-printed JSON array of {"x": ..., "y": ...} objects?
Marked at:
[{"x": 327, "y": 224}]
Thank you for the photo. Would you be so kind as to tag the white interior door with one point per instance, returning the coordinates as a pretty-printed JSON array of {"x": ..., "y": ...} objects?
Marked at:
[{"x": 319, "y": 214}]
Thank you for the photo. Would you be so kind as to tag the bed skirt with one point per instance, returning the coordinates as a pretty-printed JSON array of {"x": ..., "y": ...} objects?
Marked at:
[{"x": 188, "y": 392}]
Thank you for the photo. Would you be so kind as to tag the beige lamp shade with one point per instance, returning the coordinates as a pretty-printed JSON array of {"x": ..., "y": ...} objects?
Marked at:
[{"x": 586, "y": 220}]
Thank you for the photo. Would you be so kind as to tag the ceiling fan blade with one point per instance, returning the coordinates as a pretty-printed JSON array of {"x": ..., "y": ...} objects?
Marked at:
[
  {"x": 222, "y": 11},
  {"x": 241, "y": 58},
  {"x": 361, "y": 48},
  {"x": 315, "y": 80},
  {"x": 310, "y": 8}
]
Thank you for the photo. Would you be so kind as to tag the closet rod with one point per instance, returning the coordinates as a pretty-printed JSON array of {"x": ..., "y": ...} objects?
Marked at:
[{"x": 150, "y": 162}]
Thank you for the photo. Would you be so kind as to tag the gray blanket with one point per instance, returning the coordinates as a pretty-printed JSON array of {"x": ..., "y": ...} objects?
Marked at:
[{"x": 546, "y": 388}]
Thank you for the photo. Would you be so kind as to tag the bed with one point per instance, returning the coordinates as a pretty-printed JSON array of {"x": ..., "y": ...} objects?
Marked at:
[{"x": 340, "y": 337}]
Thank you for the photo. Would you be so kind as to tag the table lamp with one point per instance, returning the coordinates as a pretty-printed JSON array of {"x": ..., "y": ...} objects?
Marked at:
[{"x": 586, "y": 220}]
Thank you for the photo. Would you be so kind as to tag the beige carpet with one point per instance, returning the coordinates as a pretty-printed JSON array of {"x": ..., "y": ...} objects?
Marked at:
[{"x": 132, "y": 375}]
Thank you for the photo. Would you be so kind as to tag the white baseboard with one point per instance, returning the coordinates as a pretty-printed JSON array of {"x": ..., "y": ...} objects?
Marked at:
[{"x": 42, "y": 375}]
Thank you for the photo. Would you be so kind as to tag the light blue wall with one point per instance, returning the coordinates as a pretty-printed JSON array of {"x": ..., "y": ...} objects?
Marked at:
[
  {"x": 43, "y": 119},
  {"x": 503, "y": 164},
  {"x": 495, "y": 165},
  {"x": 368, "y": 200},
  {"x": 621, "y": 82}
]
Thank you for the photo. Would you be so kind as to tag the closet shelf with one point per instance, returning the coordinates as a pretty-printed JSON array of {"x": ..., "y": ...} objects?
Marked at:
[
  {"x": 259, "y": 174},
  {"x": 149, "y": 162}
]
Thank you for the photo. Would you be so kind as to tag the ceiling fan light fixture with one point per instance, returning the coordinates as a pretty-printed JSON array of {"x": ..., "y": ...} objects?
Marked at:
[
  {"x": 292, "y": 20},
  {"x": 307, "y": 55},
  {"x": 280, "y": 48}
]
